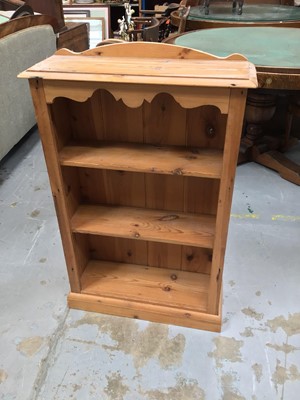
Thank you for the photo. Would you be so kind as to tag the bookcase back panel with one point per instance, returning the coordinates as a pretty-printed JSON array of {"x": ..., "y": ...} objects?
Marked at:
[
  {"x": 161, "y": 122},
  {"x": 118, "y": 249},
  {"x": 162, "y": 192},
  {"x": 120, "y": 123},
  {"x": 112, "y": 187},
  {"x": 165, "y": 121},
  {"x": 206, "y": 127},
  {"x": 161, "y": 255},
  {"x": 201, "y": 195}
]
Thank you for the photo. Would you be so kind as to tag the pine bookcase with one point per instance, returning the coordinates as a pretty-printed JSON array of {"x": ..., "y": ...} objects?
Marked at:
[{"x": 141, "y": 143}]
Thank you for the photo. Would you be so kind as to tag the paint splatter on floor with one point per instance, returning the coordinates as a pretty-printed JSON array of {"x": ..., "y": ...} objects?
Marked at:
[
  {"x": 142, "y": 345},
  {"x": 283, "y": 374},
  {"x": 227, "y": 349},
  {"x": 230, "y": 392},
  {"x": 184, "y": 389},
  {"x": 3, "y": 375},
  {"x": 116, "y": 388},
  {"x": 30, "y": 346},
  {"x": 290, "y": 325},
  {"x": 285, "y": 347},
  {"x": 249, "y": 209},
  {"x": 258, "y": 371},
  {"x": 35, "y": 213},
  {"x": 247, "y": 332},
  {"x": 250, "y": 312}
]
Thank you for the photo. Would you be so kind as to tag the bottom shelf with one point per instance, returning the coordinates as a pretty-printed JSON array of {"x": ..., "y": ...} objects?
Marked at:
[{"x": 153, "y": 294}]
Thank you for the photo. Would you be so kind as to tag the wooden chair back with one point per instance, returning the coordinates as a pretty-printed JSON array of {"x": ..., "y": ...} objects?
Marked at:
[{"x": 147, "y": 29}]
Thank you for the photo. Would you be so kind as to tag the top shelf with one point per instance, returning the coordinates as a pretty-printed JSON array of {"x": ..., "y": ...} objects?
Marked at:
[
  {"x": 206, "y": 163},
  {"x": 98, "y": 65}
]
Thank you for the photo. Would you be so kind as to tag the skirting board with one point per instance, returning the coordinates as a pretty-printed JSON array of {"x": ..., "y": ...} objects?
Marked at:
[{"x": 145, "y": 311}]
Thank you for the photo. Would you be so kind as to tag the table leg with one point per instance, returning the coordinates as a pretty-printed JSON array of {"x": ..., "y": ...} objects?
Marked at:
[{"x": 255, "y": 146}]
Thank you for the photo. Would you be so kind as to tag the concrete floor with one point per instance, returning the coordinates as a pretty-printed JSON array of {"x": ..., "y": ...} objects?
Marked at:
[{"x": 49, "y": 352}]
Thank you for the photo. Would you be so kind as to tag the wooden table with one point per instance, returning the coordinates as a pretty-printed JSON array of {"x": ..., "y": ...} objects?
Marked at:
[
  {"x": 275, "y": 53},
  {"x": 221, "y": 16}
]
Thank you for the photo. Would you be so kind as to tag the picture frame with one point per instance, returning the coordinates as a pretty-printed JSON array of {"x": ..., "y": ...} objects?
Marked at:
[
  {"x": 96, "y": 27},
  {"x": 101, "y": 11}
]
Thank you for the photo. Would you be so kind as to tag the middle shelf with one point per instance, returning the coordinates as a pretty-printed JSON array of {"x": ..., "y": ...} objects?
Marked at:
[
  {"x": 170, "y": 160},
  {"x": 145, "y": 224}
]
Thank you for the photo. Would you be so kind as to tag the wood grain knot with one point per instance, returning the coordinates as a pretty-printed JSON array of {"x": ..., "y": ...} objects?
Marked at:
[
  {"x": 174, "y": 277},
  {"x": 167, "y": 288},
  {"x": 177, "y": 171},
  {"x": 210, "y": 131},
  {"x": 170, "y": 217},
  {"x": 191, "y": 157},
  {"x": 190, "y": 257}
]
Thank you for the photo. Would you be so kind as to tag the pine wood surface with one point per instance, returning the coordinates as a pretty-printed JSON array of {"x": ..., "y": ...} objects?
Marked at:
[
  {"x": 143, "y": 215},
  {"x": 75, "y": 260},
  {"x": 121, "y": 188},
  {"x": 206, "y": 71},
  {"x": 231, "y": 149},
  {"x": 150, "y": 312},
  {"x": 151, "y": 254},
  {"x": 150, "y": 159},
  {"x": 134, "y": 96},
  {"x": 154, "y": 50},
  {"x": 145, "y": 224},
  {"x": 163, "y": 122},
  {"x": 148, "y": 285}
]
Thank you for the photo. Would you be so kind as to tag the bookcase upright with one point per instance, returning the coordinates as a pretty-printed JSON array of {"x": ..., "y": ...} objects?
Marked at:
[{"x": 141, "y": 143}]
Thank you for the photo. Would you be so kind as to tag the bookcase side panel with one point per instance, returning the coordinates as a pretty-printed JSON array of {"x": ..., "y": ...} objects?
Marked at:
[
  {"x": 231, "y": 149},
  {"x": 50, "y": 134}
]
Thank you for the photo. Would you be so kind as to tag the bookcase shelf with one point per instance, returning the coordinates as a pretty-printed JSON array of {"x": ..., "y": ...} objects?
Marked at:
[
  {"x": 206, "y": 163},
  {"x": 150, "y": 285},
  {"x": 145, "y": 224},
  {"x": 141, "y": 142}
]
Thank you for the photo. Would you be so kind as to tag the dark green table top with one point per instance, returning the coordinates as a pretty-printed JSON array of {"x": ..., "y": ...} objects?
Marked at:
[
  {"x": 274, "y": 51},
  {"x": 263, "y": 46},
  {"x": 251, "y": 13}
]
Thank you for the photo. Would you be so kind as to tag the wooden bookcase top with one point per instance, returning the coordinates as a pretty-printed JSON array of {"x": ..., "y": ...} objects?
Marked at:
[{"x": 192, "y": 68}]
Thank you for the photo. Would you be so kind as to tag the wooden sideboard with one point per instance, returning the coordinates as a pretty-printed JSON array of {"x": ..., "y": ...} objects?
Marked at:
[
  {"x": 74, "y": 36},
  {"x": 49, "y": 7}
]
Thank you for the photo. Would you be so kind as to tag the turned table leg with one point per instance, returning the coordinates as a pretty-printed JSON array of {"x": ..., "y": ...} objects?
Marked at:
[{"x": 255, "y": 146}]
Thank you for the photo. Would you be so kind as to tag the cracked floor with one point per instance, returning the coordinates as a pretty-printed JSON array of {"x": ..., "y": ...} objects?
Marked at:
[{"x": 48, "y": 352}]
